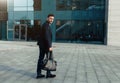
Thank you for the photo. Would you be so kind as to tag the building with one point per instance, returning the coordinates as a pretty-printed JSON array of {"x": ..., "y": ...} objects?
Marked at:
[
  {"x": 3, "y": 19},
  {"x": 75, "y": 20}
]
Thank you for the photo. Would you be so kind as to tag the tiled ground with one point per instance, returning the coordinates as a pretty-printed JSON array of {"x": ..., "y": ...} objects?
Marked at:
[{"x": 77, "y": 63}]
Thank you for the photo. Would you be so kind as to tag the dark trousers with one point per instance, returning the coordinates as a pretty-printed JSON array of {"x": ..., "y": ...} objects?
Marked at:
[{"x": 42, "y": 54}]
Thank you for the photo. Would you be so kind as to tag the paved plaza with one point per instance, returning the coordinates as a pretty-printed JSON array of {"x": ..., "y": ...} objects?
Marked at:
[{"x": 77, "y": 63}]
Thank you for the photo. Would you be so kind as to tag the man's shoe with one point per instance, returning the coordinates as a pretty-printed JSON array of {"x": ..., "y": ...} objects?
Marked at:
[
  {"x": 40, "y": 76},
  {"x": 50, "y": 76}
]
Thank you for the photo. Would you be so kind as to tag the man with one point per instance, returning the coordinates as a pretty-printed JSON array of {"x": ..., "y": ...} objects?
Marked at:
[{"x": 45, "y": 46}]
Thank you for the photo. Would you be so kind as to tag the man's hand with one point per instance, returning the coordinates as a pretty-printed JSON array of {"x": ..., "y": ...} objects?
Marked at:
[{"x": 50, "y": 49}]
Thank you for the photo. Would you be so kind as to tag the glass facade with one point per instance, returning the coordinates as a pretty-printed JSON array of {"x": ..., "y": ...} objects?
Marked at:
[
  {"x": 86, "y": 23},
  {"x": 75, "y": 20},
  {"x": 80, "y": 4},
  {"x": 76, "y": 30},
  {"x": 26, "y": 5},
  {"x": 21, "y": 18}
]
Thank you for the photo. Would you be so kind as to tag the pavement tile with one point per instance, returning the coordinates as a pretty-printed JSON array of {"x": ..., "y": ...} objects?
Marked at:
[{"x": 77, "y": 63}]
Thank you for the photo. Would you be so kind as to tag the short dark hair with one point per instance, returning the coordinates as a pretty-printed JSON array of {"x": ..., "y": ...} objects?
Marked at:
[{"x": 50, "y": 15}]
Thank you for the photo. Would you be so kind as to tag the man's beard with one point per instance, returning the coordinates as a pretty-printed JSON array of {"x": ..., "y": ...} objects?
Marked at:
[{"x": 50, "y": 22}]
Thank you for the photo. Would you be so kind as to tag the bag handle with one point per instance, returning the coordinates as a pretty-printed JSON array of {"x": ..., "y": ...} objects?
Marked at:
[{"x": 50, "y": 55}]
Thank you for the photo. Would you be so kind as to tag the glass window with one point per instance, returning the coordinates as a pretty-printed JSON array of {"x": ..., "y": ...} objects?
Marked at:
[
  {"x": 30, "y": 15},
  {"x": 71, "y": 4},
  {"x": 20, "y": 2},
  {"x": 63, "y": 30},
  {"x": 30, "y": 2},
  {"x": 96, "y": 4},
  {"x": 33, "y": 30},
  {"x": 30, "y": 5},
  {"x": 10, "y": 2},
  {"x": 20, "y": 15},
  {"x": 29, "y": 23},
  {"x": 37, "y": 22},
  {"x": 10, "y": 35},
  {"x": 79, "y": 30},
  {"x": 79, "y": 4},
  {"x": 11, "y": 8},
  {"x": 37, "y": 5},
  {"x": 60, "y": 5},
  {"x": 20, "y": 8},
  {"x": 30, "y": 9},
  {"x": 23, "y": 5}
]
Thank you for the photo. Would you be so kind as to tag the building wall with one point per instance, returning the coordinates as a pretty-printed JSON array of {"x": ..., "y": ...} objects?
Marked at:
[
  {"x": 113, "y": 36},
  {"x": 3, "y": 19},
  {"x": 73, "y": 19}
]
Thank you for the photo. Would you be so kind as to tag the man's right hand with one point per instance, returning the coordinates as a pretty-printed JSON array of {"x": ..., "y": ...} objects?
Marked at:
[{"x": 50, "y": 49}]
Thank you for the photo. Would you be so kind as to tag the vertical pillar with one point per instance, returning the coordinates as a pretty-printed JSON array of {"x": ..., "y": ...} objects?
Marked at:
[{"x": 113, "y": 23}]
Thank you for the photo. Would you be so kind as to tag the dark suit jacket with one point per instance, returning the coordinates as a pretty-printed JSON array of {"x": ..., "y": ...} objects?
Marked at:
[{"x": 45, "y": 37}]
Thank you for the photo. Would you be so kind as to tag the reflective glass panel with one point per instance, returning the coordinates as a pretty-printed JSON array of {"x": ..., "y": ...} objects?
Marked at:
[
  {"x": 79, "y": 4},
  {"x": 20, "y": 2}
]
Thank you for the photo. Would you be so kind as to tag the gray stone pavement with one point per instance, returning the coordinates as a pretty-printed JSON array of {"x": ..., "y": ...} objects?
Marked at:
[{"x": 77, "y": 63}]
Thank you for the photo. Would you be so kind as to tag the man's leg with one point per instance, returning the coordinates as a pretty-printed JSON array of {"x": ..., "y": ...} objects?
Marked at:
[{"x": 39, "y": 65}]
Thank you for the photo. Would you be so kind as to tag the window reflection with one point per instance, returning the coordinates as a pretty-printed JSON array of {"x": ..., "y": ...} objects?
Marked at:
[
  {"x": 30, "y": 2},
  {"x": 30, "y": 9},
  {"x": 20, "y": 8},
  {"x": 23, "y": 5},
  {"x": 79, "y": 4},
  {"x": 20, "y": 2},
  {"x": 77, "y": 30},
  {"x": 63, "y": 30},
  {"x": 37, "y": 5},
  {"x": 33, "y": 29}
]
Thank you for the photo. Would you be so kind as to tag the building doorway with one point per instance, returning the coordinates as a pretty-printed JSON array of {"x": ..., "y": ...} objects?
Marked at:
[{"x": 20, "y": 32}]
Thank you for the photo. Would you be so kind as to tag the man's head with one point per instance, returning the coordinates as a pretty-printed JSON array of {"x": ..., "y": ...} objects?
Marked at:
[{"x": 50, "y": 18}]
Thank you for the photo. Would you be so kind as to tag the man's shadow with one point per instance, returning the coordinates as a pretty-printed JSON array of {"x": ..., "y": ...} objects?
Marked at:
[{"x": 14, "y": 70}]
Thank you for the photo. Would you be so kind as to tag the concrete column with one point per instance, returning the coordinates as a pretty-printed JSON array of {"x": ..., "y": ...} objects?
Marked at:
[{"x": 113, "y": 30}]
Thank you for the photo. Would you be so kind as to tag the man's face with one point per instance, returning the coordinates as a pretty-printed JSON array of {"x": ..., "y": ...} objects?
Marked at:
[{"x": 50, "y": 19}]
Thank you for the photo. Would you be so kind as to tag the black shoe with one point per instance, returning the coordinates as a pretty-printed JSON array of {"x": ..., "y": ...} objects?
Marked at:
[
  {"x": 50, "y": 76},
  {"x": 40, "y": 76}
]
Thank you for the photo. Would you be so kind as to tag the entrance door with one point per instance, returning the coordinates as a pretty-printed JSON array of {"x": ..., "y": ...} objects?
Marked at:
[{"x": 20, "y": 32}]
